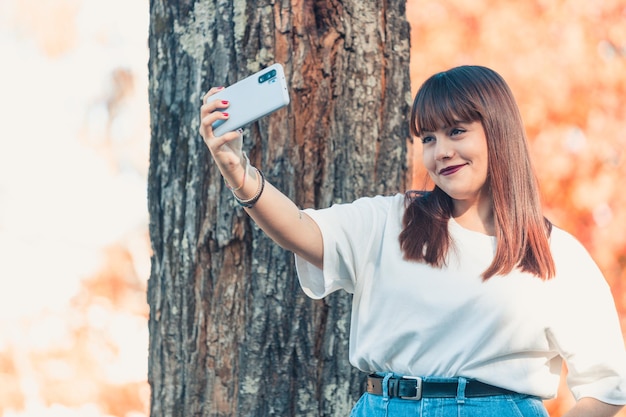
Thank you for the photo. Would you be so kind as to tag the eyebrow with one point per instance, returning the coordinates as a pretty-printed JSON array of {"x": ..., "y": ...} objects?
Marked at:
[{"x": 455, "y": 123}]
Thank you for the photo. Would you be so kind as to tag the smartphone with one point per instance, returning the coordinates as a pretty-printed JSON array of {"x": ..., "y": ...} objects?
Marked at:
[{"x": 252, "y": 98}]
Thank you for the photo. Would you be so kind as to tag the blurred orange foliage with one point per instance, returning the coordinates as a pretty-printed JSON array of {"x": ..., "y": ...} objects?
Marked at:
[
  {"x": 565, "y": 61},
  {"x": 79, "y": 358}
]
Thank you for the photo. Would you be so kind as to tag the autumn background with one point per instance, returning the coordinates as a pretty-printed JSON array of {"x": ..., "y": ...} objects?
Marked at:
[{"x": 74, "y": 137}]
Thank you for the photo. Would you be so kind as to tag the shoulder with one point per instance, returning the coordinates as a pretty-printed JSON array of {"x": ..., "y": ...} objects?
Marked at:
[
  {"x": 381, "y": 207},
  {"x": 361, "y": 212},
  {"x": 381, "y": 202},
  {"x": 564, "y": 243},
  {"x": 572, "y": 260}
]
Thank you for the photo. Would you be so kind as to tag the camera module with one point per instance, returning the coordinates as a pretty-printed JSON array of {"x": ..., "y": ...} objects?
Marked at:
[{"x": 267, "y": 76}]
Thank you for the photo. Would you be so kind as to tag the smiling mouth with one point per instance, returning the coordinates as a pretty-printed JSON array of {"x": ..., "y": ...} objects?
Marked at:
[{"x": 451, "y": 169}]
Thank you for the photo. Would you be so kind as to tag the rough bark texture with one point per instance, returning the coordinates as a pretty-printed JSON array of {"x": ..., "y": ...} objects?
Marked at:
[{"x": 231, "y": 333}]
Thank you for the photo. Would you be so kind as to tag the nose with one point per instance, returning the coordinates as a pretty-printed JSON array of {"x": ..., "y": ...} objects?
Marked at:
[{"x": 443, "y": 150}]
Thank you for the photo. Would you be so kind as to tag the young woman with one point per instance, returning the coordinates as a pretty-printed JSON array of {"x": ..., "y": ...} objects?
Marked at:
[{"x": 466, "y": 299}]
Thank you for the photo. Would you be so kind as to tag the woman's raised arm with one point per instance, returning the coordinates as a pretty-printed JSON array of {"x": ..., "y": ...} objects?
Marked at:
[{"x": 271, "y": 210}]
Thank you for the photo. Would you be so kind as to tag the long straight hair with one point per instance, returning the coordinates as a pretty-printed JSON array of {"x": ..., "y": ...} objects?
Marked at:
[{"x": 475, "y": 93}]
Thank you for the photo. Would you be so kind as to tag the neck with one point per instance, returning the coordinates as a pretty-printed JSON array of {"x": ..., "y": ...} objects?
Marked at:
[{"x": 477, "y": 216}]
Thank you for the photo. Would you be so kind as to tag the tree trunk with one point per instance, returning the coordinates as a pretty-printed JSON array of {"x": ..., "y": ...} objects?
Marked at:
[{"x": 231, "y": 333}]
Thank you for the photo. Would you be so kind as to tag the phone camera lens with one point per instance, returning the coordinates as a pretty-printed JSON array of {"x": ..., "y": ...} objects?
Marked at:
[{"x": 267, "y": 76}]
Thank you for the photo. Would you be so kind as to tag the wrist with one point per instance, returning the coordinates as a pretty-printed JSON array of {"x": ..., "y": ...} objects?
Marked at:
[
  {"x": 236, "y": 186},
  {"x": 259, "y": 181}
]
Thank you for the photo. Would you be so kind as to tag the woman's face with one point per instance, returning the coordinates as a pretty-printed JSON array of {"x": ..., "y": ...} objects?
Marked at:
[{"x": 456, "y": 160}]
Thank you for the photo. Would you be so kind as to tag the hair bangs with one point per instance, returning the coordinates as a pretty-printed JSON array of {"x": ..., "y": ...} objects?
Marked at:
[{"x": 442, "y": 102}]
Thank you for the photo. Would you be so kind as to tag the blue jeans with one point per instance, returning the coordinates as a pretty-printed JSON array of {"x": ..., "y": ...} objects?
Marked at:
[{"x": 510, "y": 405}]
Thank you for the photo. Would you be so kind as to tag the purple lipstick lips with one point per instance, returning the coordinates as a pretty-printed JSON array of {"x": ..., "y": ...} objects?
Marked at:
[{"x": 451, "y": 169}]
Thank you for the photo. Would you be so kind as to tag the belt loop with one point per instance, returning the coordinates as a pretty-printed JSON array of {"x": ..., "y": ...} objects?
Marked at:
[
  {"x": 386, "y": 386},
  {"x": 460, "y": 390}
]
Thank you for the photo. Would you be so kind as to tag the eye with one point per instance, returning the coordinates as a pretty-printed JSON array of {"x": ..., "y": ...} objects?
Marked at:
[
  {"x": 427, "y": 139},
  {"x": 456, "y": 131}
]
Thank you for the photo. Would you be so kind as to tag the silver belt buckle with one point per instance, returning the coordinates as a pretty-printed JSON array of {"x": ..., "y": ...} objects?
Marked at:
[{"x": 418, "y": 388}]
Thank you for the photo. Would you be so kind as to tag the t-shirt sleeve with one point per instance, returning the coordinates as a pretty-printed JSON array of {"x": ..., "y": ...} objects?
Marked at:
[
  {"x": 587, "y": 331},
  {"x": 351, "y": 234}
]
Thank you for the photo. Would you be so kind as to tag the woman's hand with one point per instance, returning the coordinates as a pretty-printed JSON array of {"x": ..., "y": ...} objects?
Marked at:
[{"x": 226, "y": 149}]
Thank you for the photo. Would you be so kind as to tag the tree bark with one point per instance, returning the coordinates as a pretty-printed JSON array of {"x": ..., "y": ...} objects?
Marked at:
[{"x": 231, "y": 333}]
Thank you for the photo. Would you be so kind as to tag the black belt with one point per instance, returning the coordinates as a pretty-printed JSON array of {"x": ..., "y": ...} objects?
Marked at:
[{"x": 415, "y": 388}]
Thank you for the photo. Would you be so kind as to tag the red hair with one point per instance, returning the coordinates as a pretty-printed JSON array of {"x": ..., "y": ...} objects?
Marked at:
[{"x": 474, "y": 93}]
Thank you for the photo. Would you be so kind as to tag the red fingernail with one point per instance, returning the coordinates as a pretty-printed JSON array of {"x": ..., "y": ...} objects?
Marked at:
[
  {"x": 224, "y": 101},
  {"x": 225, "y": 114}
]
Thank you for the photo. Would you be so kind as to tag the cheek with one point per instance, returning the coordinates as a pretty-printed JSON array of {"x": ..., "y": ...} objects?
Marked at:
[{"x": 427, "y": 159}]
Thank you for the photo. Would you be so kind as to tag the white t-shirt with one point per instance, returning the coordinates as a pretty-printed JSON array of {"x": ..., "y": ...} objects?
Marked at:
[{"x": 510, "y": 331}]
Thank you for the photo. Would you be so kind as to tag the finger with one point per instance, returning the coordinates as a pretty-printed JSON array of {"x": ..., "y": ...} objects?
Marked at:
[
  {"x": 216, "y": 144},
  {"x": 210, "y": 93},
  {"x": 213, "y": 105},
  {"x": 207, "y": 120},
  {"x": 231, "y": 136}
]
